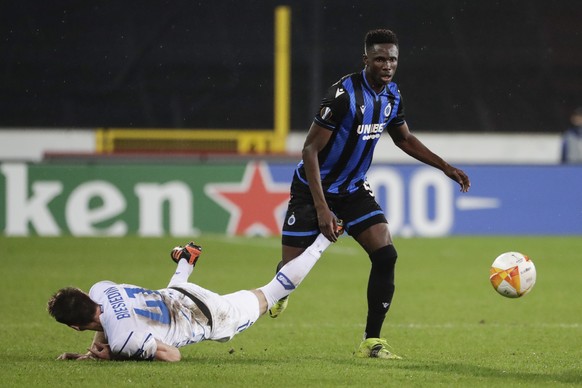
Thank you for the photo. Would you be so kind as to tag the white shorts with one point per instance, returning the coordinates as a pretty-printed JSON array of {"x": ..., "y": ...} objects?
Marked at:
[{"x": 231, "y": 313}]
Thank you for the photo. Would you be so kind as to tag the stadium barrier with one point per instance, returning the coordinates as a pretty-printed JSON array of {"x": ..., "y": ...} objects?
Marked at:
[
  {"x": 126, "y": 140},
  {"x": 249, "y": 197}
]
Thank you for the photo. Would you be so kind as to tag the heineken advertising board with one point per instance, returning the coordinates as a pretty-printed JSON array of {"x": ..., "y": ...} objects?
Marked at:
[{"x": 250, "y": 198}]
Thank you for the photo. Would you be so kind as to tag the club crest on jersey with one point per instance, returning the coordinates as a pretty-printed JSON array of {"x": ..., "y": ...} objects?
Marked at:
[
  {"x": 291, "y": 220},
  {"x": 388, "y": 110}
]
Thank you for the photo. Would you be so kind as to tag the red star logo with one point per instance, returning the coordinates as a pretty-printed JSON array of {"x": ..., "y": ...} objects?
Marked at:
[{"x": 255, "y": 204}]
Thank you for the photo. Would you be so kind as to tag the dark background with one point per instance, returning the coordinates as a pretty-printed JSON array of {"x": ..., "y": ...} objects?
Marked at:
[{"x": 471, "y": 66}]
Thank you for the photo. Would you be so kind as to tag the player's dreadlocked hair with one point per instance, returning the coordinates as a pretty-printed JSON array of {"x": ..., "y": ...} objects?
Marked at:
[
  {"x": 380, "y": 36},
  {"x": 72, "y": 306}
]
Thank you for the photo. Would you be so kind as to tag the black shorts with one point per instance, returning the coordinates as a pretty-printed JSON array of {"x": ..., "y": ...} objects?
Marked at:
[{"x": 358, "y": 211}]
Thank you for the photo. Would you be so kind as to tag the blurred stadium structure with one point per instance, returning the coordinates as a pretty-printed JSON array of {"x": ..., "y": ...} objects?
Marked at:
[
  {"x": 185, "y": 76},
  {"x": 503, "y": 66}
]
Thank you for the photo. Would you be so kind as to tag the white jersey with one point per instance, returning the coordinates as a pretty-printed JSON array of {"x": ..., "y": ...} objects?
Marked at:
[{"x": 133, "y": 318}]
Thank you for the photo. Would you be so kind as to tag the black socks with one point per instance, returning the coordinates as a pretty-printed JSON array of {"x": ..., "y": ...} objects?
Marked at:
[{"x": 380, "y": 289}]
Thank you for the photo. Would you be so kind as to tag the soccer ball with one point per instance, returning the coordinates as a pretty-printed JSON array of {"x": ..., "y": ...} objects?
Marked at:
[{"x": 512, "y": 274}]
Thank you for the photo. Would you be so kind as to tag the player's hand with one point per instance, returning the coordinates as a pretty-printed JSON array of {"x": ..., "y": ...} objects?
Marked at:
[
  {"x": 460, "y": 177},
  {"x": 328, "y": 225},
  {"x": 69, "y": 356},
  {"x": 100, "y": 351},
  {"x": 76, "y": 356}
]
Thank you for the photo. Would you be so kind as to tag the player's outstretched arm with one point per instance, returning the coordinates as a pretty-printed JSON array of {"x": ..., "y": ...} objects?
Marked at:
[
  {"x": 76, "y": 356},
  {"x": 408, "y": 143},
  {"x": 164, "y": 352}
]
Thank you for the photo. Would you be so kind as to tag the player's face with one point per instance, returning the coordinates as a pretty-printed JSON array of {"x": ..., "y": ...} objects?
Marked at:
[{"x": 381, "y": 62}]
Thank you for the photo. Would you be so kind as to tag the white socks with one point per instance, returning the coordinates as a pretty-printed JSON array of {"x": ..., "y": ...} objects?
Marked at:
[
  {"x": 293, "y": 273},
  {"x": 284, "y": 282},
  {"x": 182, "y": 273}
]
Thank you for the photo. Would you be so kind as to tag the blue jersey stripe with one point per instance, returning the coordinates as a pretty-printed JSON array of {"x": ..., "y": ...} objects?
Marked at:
[
  {"x": 301, "y": 234},
  {"x": 363, "y": 218},
  {"x": 125, "y": 343},
  {"x": 358, "y": 117}
]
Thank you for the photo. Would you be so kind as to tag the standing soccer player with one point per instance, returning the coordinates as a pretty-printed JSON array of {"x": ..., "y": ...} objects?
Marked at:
[{"x": 330, "y": 181}]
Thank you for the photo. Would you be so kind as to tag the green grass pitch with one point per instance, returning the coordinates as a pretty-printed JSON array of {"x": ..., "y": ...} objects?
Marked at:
[{"x": 447, "y": 322}]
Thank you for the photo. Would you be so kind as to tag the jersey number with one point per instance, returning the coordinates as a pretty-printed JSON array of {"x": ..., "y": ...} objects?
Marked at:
[
  {"x": 164, "y": 317},
  {"x": 368, "y": 188}
]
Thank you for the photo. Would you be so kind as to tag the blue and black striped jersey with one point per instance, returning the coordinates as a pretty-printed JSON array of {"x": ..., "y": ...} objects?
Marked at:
[{"x": 357, "y": 116}]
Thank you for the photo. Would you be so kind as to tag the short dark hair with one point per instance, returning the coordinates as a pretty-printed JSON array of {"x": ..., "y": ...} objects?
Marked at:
[
  {"x": 72, "y": 306},
  {"x": 380, "y": 36}
]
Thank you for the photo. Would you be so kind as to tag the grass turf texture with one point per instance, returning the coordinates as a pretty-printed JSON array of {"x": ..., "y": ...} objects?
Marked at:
[{"x": 447, "y": 322}]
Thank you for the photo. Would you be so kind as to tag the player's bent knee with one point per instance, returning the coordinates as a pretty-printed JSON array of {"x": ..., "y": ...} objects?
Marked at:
[{"x": 384, "y": 258}]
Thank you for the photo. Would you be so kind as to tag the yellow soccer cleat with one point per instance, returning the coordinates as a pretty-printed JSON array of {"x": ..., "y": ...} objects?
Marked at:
[
  {"x": 375, "y": 348},
  {"x": 279, "y": 307}
]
